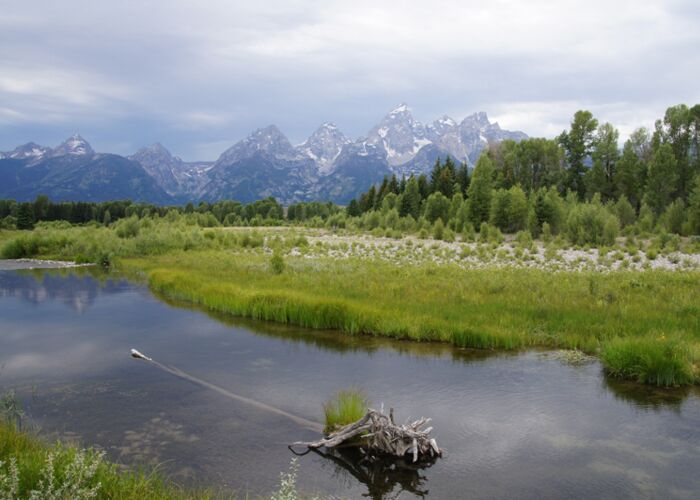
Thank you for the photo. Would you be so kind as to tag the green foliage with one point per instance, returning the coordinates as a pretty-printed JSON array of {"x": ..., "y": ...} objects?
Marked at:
[
  {"x": 674, "y": 217},
  {"x": 578, "y": 144},
  {"x": 491, "y": 308},
  {"x": 625, "y": 212},
  {"x": 662, "y": 178},
  {"x": 480, "y": 191},
  {"x": 509, "y": 209},
  {"x": 437, "y": 206},
  {"x": 277, "y": 263},
  {"x": 630, "y": 174},
  {"x": 344, "y": 408},
  {"x": 591, "y": 223},
  {"x": 438, "y": 230},
  {"x": 30, "y": 468},
  {"x": 25, "y": 216},
  {"x": 694, "y": 207},
  {"x": 655, "y": 360}
]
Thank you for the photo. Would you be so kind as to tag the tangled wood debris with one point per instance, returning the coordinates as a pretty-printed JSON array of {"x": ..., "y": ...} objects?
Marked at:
[{"x": 377, "y": 434}]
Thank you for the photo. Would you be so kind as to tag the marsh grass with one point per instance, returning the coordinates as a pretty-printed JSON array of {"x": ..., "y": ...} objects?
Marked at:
[
  {"x": 345, "y": 407},
  {"x": 76, "y": 473},
  {"x": 656, "y": 360},
  {"x": 487, "y": 308}
]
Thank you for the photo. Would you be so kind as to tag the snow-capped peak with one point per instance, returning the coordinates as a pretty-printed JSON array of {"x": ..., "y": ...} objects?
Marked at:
[
  {"x": 26, "y": 151},
  {"x": 74, "y": 145},
  {"x": 401, "y": 108},
  {"x": 399, "y": 135},
  {"x": 268, "y": 140},
  {"x": 324, "y": 146}
]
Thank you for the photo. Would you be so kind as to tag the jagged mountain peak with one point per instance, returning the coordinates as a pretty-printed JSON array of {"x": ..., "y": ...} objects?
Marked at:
[
  {"x": 399, "y": 134},
  {"x": 30, "y": 150},
  {"x": 479, "y": 119},
  {"x": 324, "y": 146},
  {"x": 156, "y": 152},
  {"x": 75, "y": 145},
  {"x": 400, "y": 109},
  {"x": 268, "y": 140}
]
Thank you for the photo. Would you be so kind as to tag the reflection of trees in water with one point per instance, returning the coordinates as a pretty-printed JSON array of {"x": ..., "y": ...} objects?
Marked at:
[
  {"x": 77, "y": 288},
  {"x": 647, "y": 396},
  {"x": 385, "y": 477}
]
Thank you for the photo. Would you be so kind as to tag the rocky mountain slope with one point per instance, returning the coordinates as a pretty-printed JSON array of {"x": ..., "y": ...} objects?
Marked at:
[{"x": 327, "y": 166}]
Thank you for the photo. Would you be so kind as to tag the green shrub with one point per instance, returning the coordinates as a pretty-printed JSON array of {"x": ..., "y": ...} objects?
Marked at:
[
  {"x": 591, "y": 223},
  {"x": 546, "y": 232},
  {"x": 438, "y": 229},
  {"x": 277, "y": 263}
]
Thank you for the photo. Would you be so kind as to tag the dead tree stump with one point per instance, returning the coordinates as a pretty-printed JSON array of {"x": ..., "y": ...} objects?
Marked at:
[{"x": 377, "y": 434}]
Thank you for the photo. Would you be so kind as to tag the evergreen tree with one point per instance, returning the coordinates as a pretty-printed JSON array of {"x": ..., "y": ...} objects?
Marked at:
[
  {"x": 382, "y": 192},
  {"x": 353, "y": 208},
  {"x": 393, "y": 186},
  {"x": 480, "y": 191},
  {"x": 410, "y": 200},
  {"x": 463, "y": 178},
  {"x": 25, "y": 216},
  {"x": 662, "y": 179},
  {"x": 423, "y": 186},
  {"x": 402, "y": 184},
  {"x": 41, "y": 207}
]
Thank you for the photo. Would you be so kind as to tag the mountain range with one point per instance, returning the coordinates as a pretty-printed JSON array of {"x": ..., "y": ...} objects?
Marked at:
[{"x": 327, "y": 166}]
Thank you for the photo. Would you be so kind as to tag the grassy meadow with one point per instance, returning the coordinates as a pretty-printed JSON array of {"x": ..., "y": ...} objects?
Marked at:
[{"x": 644, "y": 323}]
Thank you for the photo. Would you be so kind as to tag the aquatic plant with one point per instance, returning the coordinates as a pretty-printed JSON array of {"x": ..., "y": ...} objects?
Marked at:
[
  {"x": 657, "y": 360},
  {"x": 345, "y": 407}
]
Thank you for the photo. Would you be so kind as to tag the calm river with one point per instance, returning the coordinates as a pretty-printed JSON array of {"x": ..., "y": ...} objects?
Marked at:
[{"x": 525, "y": 425}]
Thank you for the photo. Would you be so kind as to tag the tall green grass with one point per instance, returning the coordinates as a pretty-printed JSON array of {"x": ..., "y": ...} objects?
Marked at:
[
  {"x": 652, "y": 360},
  {"x": 507, "y": 308},
  {"x": 485, "y": 308},
  {"x": 344, "y": 408},
  {"x": 71, "y": 466}
]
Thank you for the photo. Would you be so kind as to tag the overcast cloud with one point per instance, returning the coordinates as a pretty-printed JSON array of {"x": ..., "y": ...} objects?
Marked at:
[{"x": 198, "y": 76}]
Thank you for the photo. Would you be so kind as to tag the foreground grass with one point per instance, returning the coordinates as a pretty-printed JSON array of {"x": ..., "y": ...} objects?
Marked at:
[
  {"x": 483, "y": 308},
  {"x": 30, "y": 466}
]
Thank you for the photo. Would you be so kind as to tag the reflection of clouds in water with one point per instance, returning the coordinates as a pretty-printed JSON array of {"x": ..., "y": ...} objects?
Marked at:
[
  {"x": 75, "y": 288},
  {"x": 68, "y": 359},
  {"x": 262, "y": 364}
]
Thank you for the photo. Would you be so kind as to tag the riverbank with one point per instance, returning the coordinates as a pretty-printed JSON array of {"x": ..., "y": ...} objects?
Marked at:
[
  {"x": 29, "y": 466},
  {"x": 645, "y": 325},
  {"x": 634, "y": 304}
]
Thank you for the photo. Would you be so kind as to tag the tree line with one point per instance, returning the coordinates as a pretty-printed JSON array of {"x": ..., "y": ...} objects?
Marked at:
[
  {"x": 581, "y": 178},
  {"x": 24, "y": 215}
]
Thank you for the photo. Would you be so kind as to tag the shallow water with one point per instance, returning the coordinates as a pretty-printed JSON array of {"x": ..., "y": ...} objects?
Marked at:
[{"x": 514, "y": 425}]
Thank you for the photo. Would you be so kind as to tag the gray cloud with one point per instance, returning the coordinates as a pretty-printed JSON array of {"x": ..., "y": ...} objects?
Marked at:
[{"x": 196, "y": 76}]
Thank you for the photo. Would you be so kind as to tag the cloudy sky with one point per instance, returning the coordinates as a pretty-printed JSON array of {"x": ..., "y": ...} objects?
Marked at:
[{"x": 198, "y": 76}]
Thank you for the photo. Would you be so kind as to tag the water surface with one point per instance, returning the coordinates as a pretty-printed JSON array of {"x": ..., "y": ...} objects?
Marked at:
[{"x": 514, "y": 425}]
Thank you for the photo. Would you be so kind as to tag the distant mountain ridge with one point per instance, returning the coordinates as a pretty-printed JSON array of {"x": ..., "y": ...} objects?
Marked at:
[{"x": 327, "y": 166}]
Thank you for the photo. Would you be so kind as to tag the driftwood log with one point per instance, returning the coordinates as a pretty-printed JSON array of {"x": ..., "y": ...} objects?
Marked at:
[{"x": 377, "y": 434}]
